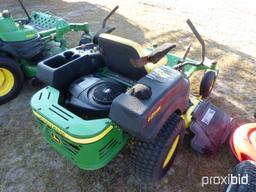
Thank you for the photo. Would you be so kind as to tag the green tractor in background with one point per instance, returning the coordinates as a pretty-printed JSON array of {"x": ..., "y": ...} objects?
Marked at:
[{"x": 25, "y": 42}]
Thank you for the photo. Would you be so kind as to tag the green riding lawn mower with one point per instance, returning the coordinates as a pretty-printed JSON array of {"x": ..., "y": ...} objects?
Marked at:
[
  {"x": 104, "y": 94},
  {"x": 25, "y": 42}
]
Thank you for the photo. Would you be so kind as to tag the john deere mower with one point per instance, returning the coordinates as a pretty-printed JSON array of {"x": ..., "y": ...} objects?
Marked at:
[
  {"x": 103, "y": 94},
  {"x": 25, "y": 42}
]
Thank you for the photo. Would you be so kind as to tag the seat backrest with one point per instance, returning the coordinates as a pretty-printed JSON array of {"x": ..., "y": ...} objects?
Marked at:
[{"x": 118, "y": 52}]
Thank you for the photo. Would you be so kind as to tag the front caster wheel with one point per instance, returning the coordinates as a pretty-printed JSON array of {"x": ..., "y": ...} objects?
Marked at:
[
  {"x": 152, "y": 160},
  {"x": 207, "y": 83}
]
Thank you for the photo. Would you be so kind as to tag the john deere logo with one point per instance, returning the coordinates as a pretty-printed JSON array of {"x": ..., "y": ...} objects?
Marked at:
[
  {"x": 55, "y": 138},
  {"x": 154, "y": 113}
]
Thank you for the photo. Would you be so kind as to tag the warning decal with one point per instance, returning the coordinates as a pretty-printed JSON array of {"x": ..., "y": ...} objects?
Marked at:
[{"x": 208, "y": 116}]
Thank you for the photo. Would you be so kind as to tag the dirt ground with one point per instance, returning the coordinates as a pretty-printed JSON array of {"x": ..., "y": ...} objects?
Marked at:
[{"x": 28, "y": 163}]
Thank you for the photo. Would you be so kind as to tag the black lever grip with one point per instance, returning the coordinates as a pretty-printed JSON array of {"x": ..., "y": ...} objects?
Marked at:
[
  {"x": 160, "y": 52},
  {"x": 154, "y": 57},
  {"x": 109, "y": 15}
]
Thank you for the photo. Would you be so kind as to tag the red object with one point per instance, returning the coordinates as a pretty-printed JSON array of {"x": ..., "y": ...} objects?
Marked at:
[{"x": 243, "y": 142}]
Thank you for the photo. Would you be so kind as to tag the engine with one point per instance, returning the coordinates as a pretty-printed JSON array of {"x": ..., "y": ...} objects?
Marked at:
[{"x": 91, "y": 97}]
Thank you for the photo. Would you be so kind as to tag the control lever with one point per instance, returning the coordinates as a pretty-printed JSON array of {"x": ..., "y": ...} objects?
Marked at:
[
  {"x": 186, "y": 52},
  {"x": 103, "y": 27},
  {"x": 108, "y": 16},
  {"x": 203, "y": 52},
  {"x": 156, "y": 55},
  {"x": 25, "y": 10},
  {"x": 199, "y": 38}
]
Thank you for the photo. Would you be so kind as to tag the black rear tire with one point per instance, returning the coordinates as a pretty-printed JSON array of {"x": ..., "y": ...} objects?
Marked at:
[
  {"x": 11, "y": 80},
  {"x": 207, "y": 83},
  {"x": 149, "y": 159},
  {"x": 242, "y": 169}
]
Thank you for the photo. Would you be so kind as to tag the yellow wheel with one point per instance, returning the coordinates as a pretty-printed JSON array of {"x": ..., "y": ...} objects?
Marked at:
[
  {"x": 6, "y": 81},
  {"x": 152, "y": 160},
  {"x": 171, "y": 151},
  {"x": 11, "y": 79}
]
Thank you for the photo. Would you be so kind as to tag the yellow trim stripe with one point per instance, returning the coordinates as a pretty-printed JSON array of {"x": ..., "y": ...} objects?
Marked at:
[
  {"x": 171, "y": 151},
  {"x": 71, "y": 138}
]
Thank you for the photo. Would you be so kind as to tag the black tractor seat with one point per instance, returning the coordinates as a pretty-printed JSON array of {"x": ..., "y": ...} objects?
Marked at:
[{"x": 120, "y": 54}]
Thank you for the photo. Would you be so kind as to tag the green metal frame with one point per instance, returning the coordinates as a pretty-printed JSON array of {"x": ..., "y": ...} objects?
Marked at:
[
  {"x": 189, "y": 70},
  {"x": 55, "y": 27}
]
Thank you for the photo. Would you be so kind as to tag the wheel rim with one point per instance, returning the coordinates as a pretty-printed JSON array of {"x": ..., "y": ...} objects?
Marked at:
[
  {"x": 211, "y": 86},
  {"x": 6, "y": 81},
  {"x": 171, "y": 151}
]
